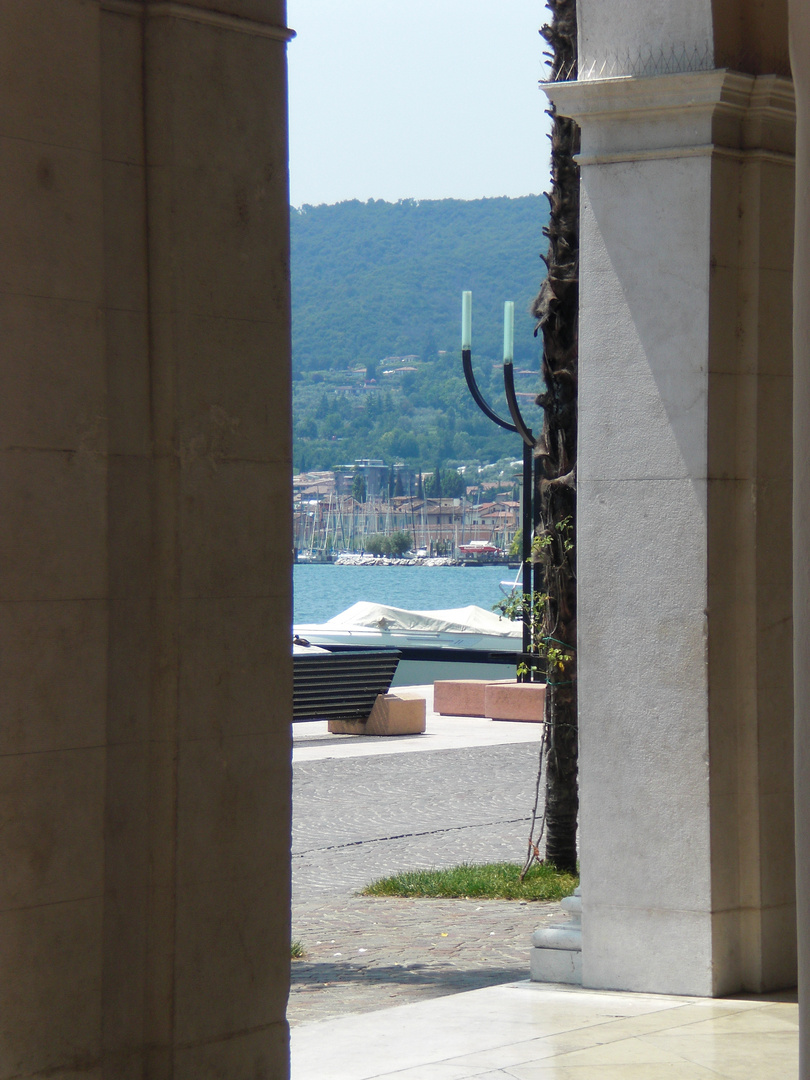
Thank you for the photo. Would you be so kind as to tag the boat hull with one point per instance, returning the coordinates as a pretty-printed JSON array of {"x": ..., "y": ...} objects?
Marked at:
[{"x": 426, "y": 658}]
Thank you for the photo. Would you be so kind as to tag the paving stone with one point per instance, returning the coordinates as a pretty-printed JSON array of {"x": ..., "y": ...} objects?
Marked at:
[
  {"x": 357, "y": 819},
  {"x": 366, "y": 953}
]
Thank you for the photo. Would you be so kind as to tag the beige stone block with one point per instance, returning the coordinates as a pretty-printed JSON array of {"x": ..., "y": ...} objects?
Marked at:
[
  {"x": 122, "y": 77},
  {"x": 53, "y": 526},
  {"x": 50, "y": 980},
  {"x": 779, "y": 952},
  {"x": 516, "y": 701},
  {"x": 775, "y": 741},
  {"x": 162, "y": 884},
  {"x": 235, "y": 675},
  {"x": 731, "y": 411},
  {"x": 232, "y": 263},
  {"x": 775, "y": 195},
  {"x": 390, "y": 715},
  {"x": 53, "y": 673},
  {"x": 235, "y": 399},
  {"x": 50, "y": 230},
  {"x": 194, "y": 128},
  {"x": 126, "y": 900},
  {"x": 232, "y": 957},
  {"x": 51, "y": 822},
  {"x": 125, "y": 236},
  {"x": 725, "y": 201},
  {"x": 123, "y": 1002},
  {"x": 235, "y": 527},
  {"x": 232, "y": 811},
  {"x": 261, "y": 11},
  {"x": 732, "y": 736},
  {"x": 215, "y": 188},
  {"x": 774, "y": 441},
  {"x": 129, "y": 659},
  {"x": 242, "y": 1056},
  {"x": 49, "y": 52},
  {"x": 777, "y": 847},
  {"x": 52, "y": 372},
  {"x": 775, "y": 339},
  {"x": 128, "y": 383},
  {"x": 459, "y": 697},
  {"x": 127, "y": 820},
  {"x": 733, "y": 322},
  {"x": 129, "y": 512},
  {"x": 735, "y": 854},
  {"x": 754, "y": 949},
  {"x": 774, "y": 507}
]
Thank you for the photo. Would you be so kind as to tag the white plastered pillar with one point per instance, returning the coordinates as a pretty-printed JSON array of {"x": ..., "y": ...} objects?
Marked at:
[{"x": 684, "y": 539}]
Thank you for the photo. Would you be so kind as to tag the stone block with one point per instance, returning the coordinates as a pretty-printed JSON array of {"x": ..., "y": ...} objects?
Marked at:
[
  {"x": 556, "y": 966},
  {"x": 515, "y": 701},
  {"x": 391, "y": 715},
  {"x": 460, "y": 697}
]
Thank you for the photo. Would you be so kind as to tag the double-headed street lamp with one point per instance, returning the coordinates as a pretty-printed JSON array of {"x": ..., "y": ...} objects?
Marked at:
[{"x": 517, "y": 425}]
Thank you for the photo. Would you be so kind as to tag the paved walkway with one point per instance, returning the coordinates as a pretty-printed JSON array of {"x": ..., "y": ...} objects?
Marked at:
[
  {"x": 361, "y": 1005},
  {"x": 364, "y": 808},
  {"x": 368, "y": 953}
]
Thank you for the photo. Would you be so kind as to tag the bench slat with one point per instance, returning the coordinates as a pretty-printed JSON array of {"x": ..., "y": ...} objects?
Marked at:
[{"x": 341, "y": 685}]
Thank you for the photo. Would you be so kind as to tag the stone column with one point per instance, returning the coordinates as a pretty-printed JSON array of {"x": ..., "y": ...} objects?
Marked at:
[
  {"x": 53, "y": 539},
  {"x": 800, "y": 60},
  {"x": 684, "y": 544},
  {"x": 146, "y": 597}
]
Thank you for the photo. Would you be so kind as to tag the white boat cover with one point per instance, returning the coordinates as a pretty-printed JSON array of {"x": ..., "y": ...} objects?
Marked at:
[{"x": 466, "y": 620}]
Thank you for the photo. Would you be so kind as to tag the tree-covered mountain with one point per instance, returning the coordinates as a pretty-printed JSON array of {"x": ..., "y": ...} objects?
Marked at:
[{"x": 376, "y": 291}]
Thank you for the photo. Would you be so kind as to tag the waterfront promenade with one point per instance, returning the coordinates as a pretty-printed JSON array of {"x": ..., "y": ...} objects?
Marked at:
[
  {"x": 366, "y": 807},
  {"x": 437, "y": 989}
]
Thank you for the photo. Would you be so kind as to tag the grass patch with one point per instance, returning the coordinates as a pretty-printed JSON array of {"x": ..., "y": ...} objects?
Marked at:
[
  {"x": 296, "y": 950},
  {"x": 489, "y": 881}
]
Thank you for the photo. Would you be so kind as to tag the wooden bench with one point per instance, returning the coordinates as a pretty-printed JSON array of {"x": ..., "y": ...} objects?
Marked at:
[{"x": 341, "y": 685}]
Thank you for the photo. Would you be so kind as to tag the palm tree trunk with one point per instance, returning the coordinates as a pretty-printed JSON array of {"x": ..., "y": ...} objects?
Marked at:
[{"x": 556, "y": 309}]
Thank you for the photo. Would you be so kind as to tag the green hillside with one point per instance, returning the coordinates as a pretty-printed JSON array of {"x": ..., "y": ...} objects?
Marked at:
[{"x": 376, "y": 325}]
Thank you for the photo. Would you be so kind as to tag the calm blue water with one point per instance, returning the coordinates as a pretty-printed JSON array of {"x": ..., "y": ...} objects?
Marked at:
[{"x": 324, "y": 591}]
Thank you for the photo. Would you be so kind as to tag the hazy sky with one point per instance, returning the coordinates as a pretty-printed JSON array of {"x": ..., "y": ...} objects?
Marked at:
[{"x": 424, "y": 99}]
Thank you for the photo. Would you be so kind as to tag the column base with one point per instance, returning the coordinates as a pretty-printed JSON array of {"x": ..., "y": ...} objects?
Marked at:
[{"x": 557, "y": 953}]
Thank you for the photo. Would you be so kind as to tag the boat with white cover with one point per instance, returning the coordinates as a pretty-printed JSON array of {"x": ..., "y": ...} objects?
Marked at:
[{"x": 453, "y": 643}]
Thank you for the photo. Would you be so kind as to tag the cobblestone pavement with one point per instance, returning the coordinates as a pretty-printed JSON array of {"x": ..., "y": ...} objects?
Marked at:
[
  {"x": 357, "y": 819},
  {"x": 371, "y": 952}
]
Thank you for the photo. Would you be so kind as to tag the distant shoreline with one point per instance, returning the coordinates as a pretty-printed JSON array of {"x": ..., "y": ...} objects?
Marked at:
[{"x": 385, "y": 560}]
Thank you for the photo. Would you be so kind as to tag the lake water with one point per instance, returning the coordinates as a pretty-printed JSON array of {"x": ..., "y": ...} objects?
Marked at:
[{"x": 324, "y": 591}]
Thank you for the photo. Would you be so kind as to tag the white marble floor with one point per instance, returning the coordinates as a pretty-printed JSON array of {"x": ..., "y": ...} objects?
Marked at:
[{"x": 530, "y": 1031}]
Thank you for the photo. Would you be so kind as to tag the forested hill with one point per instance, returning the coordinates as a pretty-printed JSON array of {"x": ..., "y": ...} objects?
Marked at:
[
  {"x": 376, "y": 279},
  {"x": 377, "y": 328}
]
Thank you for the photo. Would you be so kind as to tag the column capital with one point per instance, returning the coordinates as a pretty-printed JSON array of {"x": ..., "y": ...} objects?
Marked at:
[
  {"x": 254, "y": 17},
  {"x": 688, "y": 113}
]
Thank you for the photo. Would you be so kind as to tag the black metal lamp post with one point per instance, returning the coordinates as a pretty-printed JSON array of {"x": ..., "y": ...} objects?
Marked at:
[{"x": 517, "y": 425}]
